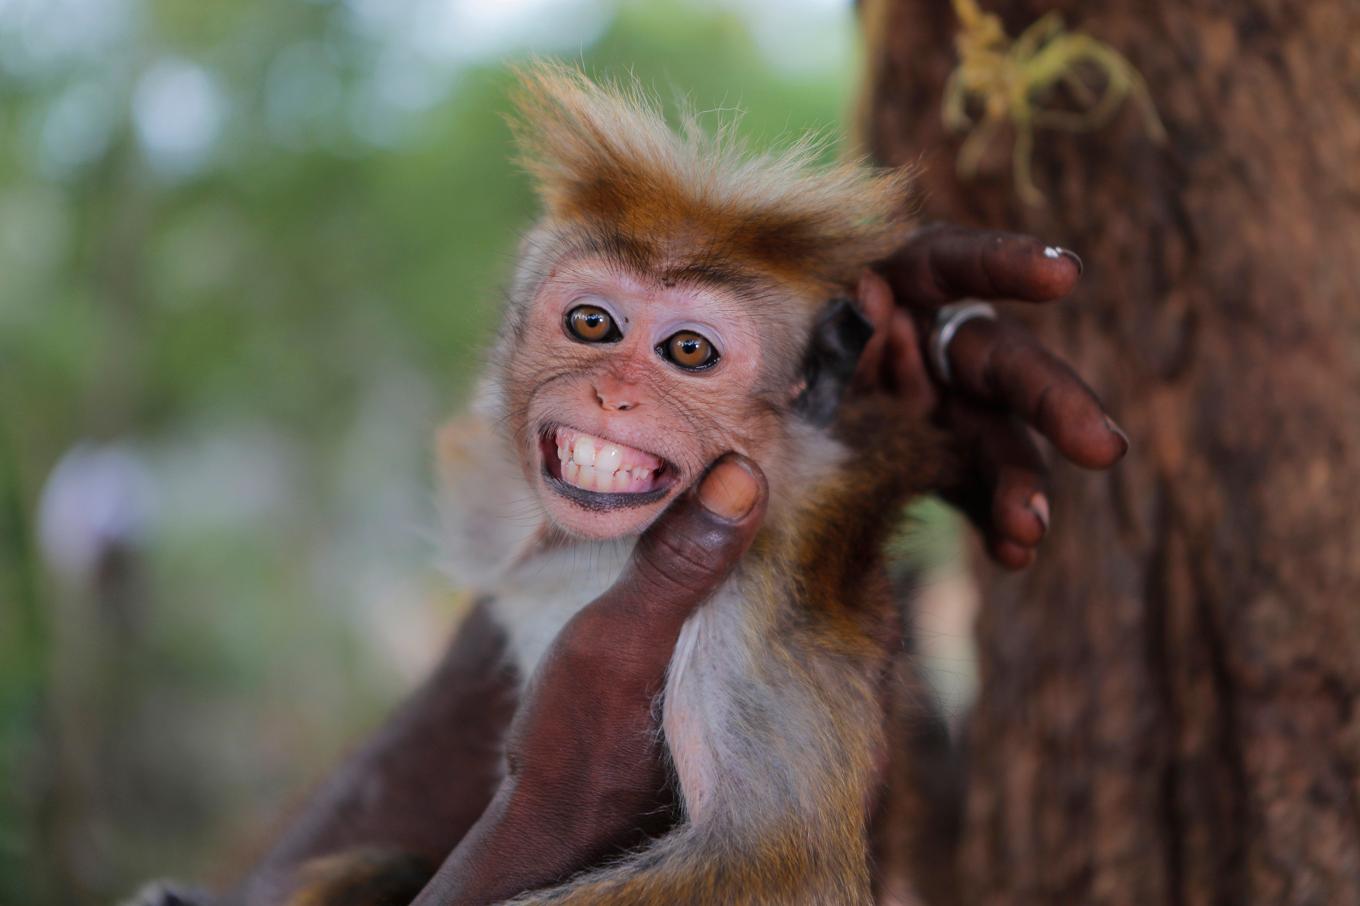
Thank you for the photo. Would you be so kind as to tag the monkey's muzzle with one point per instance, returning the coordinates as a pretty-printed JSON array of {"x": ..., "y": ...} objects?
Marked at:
[{"x": 600, "y": 473}]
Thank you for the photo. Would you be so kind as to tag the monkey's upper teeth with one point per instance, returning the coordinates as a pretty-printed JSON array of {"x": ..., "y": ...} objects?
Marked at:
[{"x": 607, "y": 459}]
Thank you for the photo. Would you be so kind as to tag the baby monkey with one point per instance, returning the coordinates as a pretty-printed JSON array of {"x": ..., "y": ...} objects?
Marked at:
[{"x": 671, "y": 305}]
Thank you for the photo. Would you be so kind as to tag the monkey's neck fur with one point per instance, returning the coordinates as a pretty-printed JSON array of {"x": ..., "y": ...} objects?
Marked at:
[{"x": 771, "y": 712}]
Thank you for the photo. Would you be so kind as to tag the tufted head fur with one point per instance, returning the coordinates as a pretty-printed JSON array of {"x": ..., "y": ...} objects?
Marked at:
[{"x": 604, "y": 156}]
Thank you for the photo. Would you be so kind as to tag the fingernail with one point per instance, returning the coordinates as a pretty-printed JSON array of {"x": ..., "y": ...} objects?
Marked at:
[
  {"x": 1055, "y": 252},
  {"x": 1117, "y": 432},
  {"x": 729, "y": 489},
  {"x": 1038, "y": 505}
]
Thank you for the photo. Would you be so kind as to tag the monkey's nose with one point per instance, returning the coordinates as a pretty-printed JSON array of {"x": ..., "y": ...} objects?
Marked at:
[{"x": 616, "y": 398}]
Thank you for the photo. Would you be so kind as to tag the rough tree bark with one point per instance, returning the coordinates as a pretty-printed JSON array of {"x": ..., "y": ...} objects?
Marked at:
[{"x": 1170, "y": 701}]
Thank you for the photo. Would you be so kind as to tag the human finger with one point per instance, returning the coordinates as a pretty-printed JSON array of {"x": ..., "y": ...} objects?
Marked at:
[
  {"x": 946, "y": 263},
  {"x": 999, "y": 362}
]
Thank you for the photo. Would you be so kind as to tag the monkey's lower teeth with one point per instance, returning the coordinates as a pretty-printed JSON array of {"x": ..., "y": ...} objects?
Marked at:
[{"x": 596, "y": 464}]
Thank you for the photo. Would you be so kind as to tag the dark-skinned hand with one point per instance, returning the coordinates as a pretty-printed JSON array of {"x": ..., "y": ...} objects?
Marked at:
[
  {"x": 1004, "y": 381},
  {"x": 583, "y": 752}
]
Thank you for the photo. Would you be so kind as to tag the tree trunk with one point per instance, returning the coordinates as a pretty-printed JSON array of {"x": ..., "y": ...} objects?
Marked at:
[{"x": 1170, "y": 699}]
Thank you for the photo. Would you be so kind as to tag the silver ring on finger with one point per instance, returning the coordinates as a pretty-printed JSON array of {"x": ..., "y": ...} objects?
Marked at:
[{"x": 948, "y": 320}]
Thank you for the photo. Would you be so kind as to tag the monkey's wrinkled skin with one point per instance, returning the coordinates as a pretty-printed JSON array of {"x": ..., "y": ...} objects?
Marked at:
[{"x": 622, "y": 429}]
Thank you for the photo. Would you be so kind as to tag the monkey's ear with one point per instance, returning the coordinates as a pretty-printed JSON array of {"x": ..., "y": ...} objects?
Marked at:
[{"x": 838, "y": 338}]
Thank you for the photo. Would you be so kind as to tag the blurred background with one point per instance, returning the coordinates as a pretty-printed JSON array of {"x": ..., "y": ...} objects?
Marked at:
[{"x": 249, "y": 254}]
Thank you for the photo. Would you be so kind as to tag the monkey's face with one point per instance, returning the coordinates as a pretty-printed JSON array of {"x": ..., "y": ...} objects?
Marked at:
[{"x": 624, "y": 389}]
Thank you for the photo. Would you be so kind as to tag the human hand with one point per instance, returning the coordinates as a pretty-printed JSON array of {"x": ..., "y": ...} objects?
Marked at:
[
  {"x": 583, "y": 750},
  {"x": 1003, "y": 379}
]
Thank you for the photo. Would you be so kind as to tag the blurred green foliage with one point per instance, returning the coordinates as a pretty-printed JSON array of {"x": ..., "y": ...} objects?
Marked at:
[{"x": 267, "y": 323}]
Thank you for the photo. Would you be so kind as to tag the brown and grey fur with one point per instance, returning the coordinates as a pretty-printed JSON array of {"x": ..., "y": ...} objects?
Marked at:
[{"x": 773, "y": 711}]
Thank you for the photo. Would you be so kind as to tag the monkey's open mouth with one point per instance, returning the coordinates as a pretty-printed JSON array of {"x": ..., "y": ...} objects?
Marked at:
[{"x": 599, "y": 473}]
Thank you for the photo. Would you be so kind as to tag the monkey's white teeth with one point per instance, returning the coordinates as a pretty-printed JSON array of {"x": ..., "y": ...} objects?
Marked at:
[
  {"x": 608, "y": 459},
  {"x": 595, "y": 464}
]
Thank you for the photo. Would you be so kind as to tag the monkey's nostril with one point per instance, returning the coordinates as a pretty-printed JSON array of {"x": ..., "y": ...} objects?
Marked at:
[{"x": 611, "y": 402}]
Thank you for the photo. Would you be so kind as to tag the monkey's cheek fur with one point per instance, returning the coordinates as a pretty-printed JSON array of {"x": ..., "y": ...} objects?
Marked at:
[{"x": 600, "y": 488}]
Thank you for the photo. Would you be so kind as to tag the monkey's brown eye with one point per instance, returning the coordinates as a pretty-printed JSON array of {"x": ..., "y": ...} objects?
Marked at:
[
  {"x": 591, "y": 324},
  {"x": 689, "y": 350}
]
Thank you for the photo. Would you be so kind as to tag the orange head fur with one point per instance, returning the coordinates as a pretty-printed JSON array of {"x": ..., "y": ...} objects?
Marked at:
[{"x": 605, "y": 159}]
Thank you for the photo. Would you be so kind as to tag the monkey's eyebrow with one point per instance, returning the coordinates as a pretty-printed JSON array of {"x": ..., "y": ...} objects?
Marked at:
[
  {"x": 631, "y": 253},
  {"x": 640, "y": 256},
  {"x": 710, "y": 274}
]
